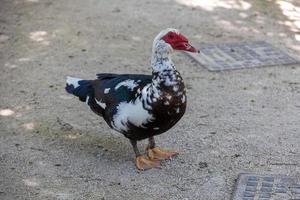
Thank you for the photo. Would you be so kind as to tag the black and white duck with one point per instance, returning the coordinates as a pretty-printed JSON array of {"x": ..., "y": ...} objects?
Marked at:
[{"x": 141, "y": 106}]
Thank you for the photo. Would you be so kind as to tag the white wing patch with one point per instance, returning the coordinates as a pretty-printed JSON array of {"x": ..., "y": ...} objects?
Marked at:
[
  {"x": 183, "y": 99},
  {"x": 128, "y": 83},
  {"x": 87, "y": 100},
  {"x": 146, "y": 96},
  {"x": 101, "y": 104},
  {"x": 132, "y": 112},
  {"x": 73, "y": 81},
  {"x": 106, "y": 90}
]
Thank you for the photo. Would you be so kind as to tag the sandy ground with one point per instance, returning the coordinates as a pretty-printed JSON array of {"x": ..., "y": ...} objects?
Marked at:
[{"x": 53, "y": 147}]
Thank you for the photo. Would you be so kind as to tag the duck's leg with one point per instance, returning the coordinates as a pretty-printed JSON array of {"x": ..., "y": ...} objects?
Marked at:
[
  {"x": 143, "y": 162},
  {"x": 158, "y": 153}
]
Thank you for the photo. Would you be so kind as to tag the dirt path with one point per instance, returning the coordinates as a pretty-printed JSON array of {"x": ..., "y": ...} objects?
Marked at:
[{"x": 53, "y": 147}]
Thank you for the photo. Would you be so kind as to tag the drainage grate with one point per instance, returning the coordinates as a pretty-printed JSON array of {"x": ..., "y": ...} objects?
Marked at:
[
  {"x": 264, "y": 187},
  {"x": 228, "y": 56}
]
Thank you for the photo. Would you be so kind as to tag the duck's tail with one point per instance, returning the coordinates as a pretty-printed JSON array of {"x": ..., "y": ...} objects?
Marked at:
[{"x": 80, "y": 88}]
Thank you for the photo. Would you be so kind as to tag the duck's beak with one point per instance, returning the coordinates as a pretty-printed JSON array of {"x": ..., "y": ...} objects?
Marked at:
[{"x": 185, "y": 46}]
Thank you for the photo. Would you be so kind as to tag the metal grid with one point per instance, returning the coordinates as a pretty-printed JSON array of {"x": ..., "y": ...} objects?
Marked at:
[
  {"x": 267, "y": 187},
  {"x": 227, "y": 56}
]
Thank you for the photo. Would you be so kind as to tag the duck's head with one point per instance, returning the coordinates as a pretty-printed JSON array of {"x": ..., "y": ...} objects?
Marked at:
[{"x": 171, "y": 39}]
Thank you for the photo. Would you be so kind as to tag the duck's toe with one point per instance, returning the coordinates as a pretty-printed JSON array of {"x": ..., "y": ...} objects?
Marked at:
[
  {"x": 144, "y": 163},
  {"x": 160, "y": 154}
]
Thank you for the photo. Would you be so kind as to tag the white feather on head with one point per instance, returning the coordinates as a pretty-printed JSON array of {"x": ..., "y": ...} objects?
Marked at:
[{"x": 162, "y": 34}]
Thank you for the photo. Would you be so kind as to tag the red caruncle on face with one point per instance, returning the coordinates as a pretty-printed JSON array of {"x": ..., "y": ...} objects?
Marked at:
[{"x": 178, "y": 41}]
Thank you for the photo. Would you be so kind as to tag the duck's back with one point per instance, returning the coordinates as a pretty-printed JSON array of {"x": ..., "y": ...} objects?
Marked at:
[{"x": 116, "y": 88}]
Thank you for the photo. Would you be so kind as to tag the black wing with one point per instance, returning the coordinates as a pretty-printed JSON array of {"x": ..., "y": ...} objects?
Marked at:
[{"x": 111, "y": 89}]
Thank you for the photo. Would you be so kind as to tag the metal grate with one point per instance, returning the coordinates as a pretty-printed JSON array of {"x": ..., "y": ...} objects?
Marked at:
[
  {"x": 218, "y": 57},
  {"x": 267, "y": 187}
]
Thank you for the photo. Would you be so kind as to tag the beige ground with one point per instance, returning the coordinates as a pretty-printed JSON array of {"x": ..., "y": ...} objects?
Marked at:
[{"x": 53, "y": 147}]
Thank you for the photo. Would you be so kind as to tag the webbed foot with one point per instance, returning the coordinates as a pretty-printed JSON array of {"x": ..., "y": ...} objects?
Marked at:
[
  {"x": 157, "y": 153},
  {"x": 144, "y": 163}
]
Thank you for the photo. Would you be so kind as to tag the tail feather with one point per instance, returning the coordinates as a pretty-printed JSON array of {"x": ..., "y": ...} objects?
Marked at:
[{"x": 79, "y": 87}]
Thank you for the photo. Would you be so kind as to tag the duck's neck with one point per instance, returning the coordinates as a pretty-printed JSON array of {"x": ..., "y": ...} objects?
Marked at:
[
  {"x": 166, "y": 81},
  {"x": 165, "y": 77},
  {"x": 161, "y": 61}
]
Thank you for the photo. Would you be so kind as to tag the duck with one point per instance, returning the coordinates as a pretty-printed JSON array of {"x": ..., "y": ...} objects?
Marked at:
[{"x": 141, "y": 106}]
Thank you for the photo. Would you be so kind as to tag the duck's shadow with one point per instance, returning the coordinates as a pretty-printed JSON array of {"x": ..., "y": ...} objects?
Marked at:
[
  {"x": 100, "y": 145},
  {"x": 89, "y": 147},
  {"x": 77, "y": 143}
]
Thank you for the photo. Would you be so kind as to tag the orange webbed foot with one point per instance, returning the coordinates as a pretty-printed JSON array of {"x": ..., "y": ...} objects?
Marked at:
[
  {"x": 160, "y": 154},
  {"x": 144, "y": 163}
]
